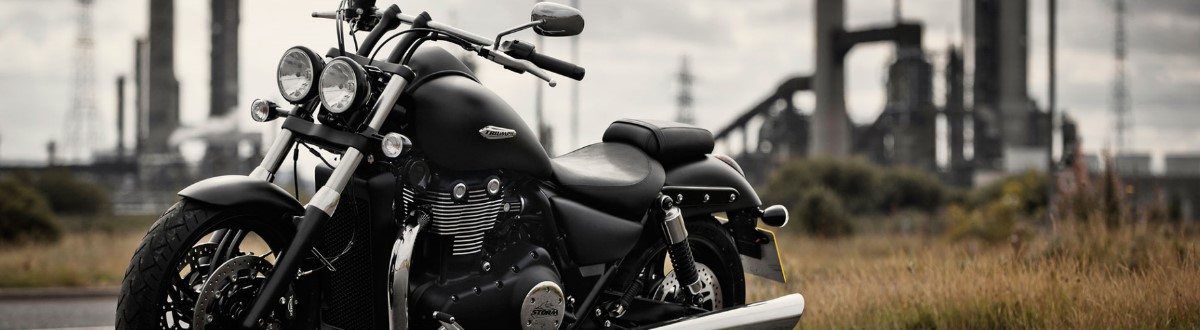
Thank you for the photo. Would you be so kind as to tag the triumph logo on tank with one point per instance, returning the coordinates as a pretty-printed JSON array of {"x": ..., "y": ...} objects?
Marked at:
[{"x": 497, "y": 133}]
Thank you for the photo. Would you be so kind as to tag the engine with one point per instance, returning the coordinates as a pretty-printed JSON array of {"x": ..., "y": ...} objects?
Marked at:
[{"x": 478, "y": 260}]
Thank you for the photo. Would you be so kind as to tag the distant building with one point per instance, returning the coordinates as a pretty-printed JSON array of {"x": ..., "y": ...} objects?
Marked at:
[
  {"x": 1132, "y": 164},
  {"x": 1183, "y": 165}
]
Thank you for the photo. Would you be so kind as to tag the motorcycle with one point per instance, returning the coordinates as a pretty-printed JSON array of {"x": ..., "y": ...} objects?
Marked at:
[{"x": 444, "y": 211}]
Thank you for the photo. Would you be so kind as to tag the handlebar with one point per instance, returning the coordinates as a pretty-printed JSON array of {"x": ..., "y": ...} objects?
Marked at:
[
  {"x": 524, "y": 51},
  {"x": 457, "y": 32},
  {"x": 518, "y": 56}
]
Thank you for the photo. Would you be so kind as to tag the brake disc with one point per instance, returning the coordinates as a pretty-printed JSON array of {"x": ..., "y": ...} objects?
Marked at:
[
  {"x": 198, "y": 257},
  {"x": 230, "y": 290},
  {"x": 710, "y": 296}
]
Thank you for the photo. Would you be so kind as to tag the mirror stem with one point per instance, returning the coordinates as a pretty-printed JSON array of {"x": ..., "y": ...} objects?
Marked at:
[{"x": 519, "y": 28}]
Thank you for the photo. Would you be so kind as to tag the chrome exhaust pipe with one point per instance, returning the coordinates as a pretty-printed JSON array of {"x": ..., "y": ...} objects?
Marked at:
[{"x": 779, "y": 313}]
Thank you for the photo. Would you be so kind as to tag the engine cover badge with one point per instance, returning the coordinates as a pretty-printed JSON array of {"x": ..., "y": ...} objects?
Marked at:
[
  {"x": 497, "y": 133},
  {"x": 543, "y": 307}
]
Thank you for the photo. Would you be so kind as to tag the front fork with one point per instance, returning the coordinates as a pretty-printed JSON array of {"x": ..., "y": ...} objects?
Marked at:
[{"x": 322, "y": 205}]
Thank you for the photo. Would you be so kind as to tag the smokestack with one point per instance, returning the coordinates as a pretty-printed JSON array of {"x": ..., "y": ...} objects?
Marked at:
[
  {"x": 162, "y": 89},
  {"x": 51, "y": 149},
  {"x": 120, "y": 119},
  {"x": 223, "y": 86},
  {"x": 139, "y": 97}
]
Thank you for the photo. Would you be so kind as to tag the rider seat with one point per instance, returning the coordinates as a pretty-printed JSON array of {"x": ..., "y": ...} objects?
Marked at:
[
  {"x": 615, "y": 177},
  {"x": 623, "y": 174},
  {"x": 668, "y": 142}
]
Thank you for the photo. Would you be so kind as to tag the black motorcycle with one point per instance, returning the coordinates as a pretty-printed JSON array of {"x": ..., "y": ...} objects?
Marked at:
[{"x": 444, "y": 211}]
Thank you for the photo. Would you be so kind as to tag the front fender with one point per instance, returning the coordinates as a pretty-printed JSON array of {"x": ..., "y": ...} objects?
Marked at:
[{"x": 240, "y": 190}]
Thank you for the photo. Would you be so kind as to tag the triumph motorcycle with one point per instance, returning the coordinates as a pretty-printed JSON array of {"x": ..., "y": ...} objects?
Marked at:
[{"x": 443, "y": 210}]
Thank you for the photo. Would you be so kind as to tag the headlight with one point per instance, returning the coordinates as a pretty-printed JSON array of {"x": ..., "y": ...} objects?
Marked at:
[
  {"x": 295, "y": 74},
  {"x": 343, "y": 85}
]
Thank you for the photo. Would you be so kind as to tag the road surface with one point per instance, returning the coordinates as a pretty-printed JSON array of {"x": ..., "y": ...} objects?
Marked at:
[{"x": 78, "y": 310}]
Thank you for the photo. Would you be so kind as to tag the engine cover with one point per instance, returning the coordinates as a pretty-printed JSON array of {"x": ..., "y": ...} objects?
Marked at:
[
  {"x": 498, "y": 298},
  {"x": 543, "y": 307}
]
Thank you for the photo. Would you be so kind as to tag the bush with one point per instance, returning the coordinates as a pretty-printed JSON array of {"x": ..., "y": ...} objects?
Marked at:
[
  {"x": 906, "y": 188},
  {"x": 996, "y": 212},
  {"x": 820, "y": 212},
  {"x": 25, "y": 215},
  {"x": 67, "y": 194},
  {"x": 854, "y": 180},
  {"x": 1026, "y": 192}
]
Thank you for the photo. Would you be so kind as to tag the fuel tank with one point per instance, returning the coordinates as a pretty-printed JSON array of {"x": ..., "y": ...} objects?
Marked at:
[{"x": 462, "y": 126}]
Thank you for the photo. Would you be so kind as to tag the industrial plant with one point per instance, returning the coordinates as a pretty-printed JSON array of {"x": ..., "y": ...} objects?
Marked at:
[{"x": 992, "y": 127}]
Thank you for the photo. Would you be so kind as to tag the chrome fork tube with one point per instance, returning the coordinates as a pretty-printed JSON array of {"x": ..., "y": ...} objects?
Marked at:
[
  {"x": 275, "y": 155},
  {"x": 327, "y": 197}
]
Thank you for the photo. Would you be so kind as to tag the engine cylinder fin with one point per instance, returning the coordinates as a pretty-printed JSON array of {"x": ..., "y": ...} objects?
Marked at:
[{"x": 466, "y": 221}]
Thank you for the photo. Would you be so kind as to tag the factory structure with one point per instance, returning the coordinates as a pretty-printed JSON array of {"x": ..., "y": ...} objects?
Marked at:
[
  {"x": 145, "y": 173},
  {"x": 992, "y": 126}
]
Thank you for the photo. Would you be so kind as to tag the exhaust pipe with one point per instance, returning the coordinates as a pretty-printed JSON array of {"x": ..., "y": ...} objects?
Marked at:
[{"x": 779, "y": 313}]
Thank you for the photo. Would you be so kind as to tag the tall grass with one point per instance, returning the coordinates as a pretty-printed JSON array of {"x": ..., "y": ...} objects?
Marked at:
[
  {"x": 79, "y": 259},
  {"x": 1081, "y": 275}
]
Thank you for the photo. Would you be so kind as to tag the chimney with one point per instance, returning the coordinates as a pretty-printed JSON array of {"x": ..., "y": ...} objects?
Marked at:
[
  {"x": 51, "y": 149},
  {"x": 139, "y": 97},
  {"x": 120, "y": 119}
]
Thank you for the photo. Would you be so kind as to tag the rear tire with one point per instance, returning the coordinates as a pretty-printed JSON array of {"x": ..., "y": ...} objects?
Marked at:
[
  {"x": 154, "y": 271},
  {"x": 714, "y": 248}
]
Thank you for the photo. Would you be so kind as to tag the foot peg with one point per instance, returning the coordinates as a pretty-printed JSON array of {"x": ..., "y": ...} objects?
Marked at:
[{"x": 447, "y": 321}]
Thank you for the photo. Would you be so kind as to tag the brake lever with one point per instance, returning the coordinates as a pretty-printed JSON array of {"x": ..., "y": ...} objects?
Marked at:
[{"x": 515, "y": 65}]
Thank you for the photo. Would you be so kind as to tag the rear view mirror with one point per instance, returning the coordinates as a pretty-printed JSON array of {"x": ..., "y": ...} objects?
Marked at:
[{"x": 558, "y": 20}]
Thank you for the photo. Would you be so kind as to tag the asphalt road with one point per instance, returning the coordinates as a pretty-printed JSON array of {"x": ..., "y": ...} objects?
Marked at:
[{"x": 59, "y": 311}]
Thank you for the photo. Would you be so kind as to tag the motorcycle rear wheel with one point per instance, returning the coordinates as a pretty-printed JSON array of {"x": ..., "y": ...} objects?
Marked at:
[
  {"x": 160, "y": 285},
  {"x": 718, "y": 264}
]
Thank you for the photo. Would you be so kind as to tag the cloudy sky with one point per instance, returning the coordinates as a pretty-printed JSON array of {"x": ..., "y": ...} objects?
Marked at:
[{"x": 740, "y": 50}]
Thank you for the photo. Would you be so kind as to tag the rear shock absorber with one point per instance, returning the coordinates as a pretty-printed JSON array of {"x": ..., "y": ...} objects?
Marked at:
[{"x": 677, "y": 245}]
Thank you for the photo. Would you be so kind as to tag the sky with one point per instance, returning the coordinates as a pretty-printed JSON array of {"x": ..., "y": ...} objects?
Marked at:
[{"x": 739, "y": 50}]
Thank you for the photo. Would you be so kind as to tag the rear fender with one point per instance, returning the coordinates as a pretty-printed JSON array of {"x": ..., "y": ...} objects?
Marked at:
[
  {"x": 239, "y": 190},
  {"x": 716, "y": 185},
  {"x": 714, "y": 173}
]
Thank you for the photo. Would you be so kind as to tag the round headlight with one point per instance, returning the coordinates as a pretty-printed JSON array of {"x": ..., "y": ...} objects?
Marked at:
[
  {"x": 343, "y": 85},
  {"x": 295, "y": 74}
]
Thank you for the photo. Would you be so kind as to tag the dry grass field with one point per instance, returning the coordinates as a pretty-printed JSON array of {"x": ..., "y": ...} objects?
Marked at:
[
  {"x": 1070, "y": 277},
  {"x": 1067, "y": 277},
  {"x": 79, "y": 259}
]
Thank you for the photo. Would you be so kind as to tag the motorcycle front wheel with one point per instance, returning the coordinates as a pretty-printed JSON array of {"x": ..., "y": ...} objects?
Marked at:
[{"x": 181, "y": 251}]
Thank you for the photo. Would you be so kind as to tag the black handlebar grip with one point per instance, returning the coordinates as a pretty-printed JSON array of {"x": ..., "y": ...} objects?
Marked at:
[
  {"x": 387, "y": 22},
  {"x": 567, "y": 69},
  {"x": 525, "y": 51}
]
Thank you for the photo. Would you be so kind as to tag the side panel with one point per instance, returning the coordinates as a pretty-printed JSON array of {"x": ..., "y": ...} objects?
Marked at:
[
  {"x": 236, "y": 190},
  {"x": 594, "y": 237},
  {"x": 447, "y": 114},
  {"x": 712, "y": 172}
]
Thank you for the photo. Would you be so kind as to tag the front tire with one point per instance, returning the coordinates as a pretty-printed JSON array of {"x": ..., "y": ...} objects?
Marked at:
[{"x": 158, "y": 286}]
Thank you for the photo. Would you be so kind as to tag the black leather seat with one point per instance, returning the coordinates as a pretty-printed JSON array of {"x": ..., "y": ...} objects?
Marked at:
[
  {"x": 668, "y": 142},
  {"x": 615, "y": 177}
]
